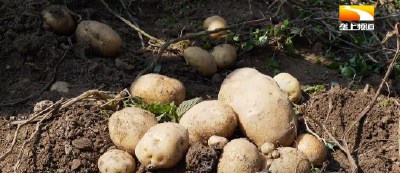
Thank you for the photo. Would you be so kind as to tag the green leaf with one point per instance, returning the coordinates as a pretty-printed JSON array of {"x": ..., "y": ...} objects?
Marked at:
[
  {"x": 358, "y": 40},
  {"x": 330, "y": 145},
  {"x": 249, "y": 46},
  {"x": 206, "y": 46},
  {"x": 263, "y": 40},
  {"x": 236, "y": 38},
  {"x": 157, "y": 69},
  {"x": 333, "y": 65},
  {"x": 273, "y": 64},
  {"x": 186, "y": 105},
  {"x": 347, "y": 72},
  {"x": 364, "y": 70},
  {"x": 290, "y": 47}
]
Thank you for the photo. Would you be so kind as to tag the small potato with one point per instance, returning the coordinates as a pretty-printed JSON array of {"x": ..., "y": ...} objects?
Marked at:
[
  {"x": 127, "y": 127},
  {"x": 59, "y": 19},
  {"x": 290, "y": 160},
  {"x": 290, "y": 85},
  {"x": 314, "y": 149},
  {"x": 163, "y": 146},
  {"x": 209, "y": 118},
  {"x": 101, "y": 38},
  {"x": 239, "y": 155},
  {"x": 224, "y": 55},
  {"x": 265, "y": 114},
  {"x": 267, "y": 148},
  {"x": 217, "y": 142},
  {"x": 215, "y": 22},
  {"x": 201, "y": 59},
  {"x": 158, "y": 88},
  {"x": 116, "y": 161}
]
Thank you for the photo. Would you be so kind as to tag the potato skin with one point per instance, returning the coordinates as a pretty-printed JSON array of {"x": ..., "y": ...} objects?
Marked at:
[
  {"x": 265, "y": 113},
  {"x": 314, "y": 149},
  {"x": 127, "y": 127},
  {"x": 59, "y": 19},
  {"x": 290, "y": 85},
  {"x": 208, "y": 118},
  {"x": 290, "y": 160},
  {"x": 163, "y": 146},
  {"x": 101, "y": 38},
  {"x": 158, "y": 88},
  {"x": 239, "y": 155},
  {"x": 201, "y": 59},
  {"x": 116, "y": 161},
  {"x": 224, "y": 55},
  {"x": 215, "y": 22}
]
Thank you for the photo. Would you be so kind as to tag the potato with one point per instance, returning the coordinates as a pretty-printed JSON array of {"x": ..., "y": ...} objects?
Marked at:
[
  {"x": 239, "y": 155},
  {"x": 290, "y": 160},
  {"x": 101, "y": 38},
  {"x": 163, "y": 146},
  {"x": 224, "y": 55},
  {"x": 265, "y": 113},
  {"x": 215, "y": 22},
  {"x": 290, "y": 85},
  {"x": 59, "y": 19},
  {"x": 201, "y": 59},
  {"x": 158, "y": 88},
  {"x": 314, "y": 149},
  {"x": 116, "y": 161},
  {"x": 267, "y": 148},
  {"x": 127, "y": 127},
  {"x": 209, "y": 118},
  {"x": 217, "y": 142}
]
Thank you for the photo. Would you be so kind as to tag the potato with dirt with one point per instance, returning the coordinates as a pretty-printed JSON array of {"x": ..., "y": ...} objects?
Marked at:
[
  {"x": 290, "y": 85},
  {"x": 157, "y": 88},
  {"x": 239, "y": 155},
  {"x": 224, "y": 55},
  {"x": 163, "y": 146},
  {"x": 209, "y": 118},
  {"x": 100, "y": 37},
  {"x": 215, "y": 22},
  {"x": 128, "y": 125},
  {"x": 314, "y": 149},
  {"x": 59, "y": 19},
  {"x": 201, "y": 60},
  {"x": 265, "y": 113},
  {"x": 290, "y": 160},
  {"x": 116, "y": 161},
  {"x": 217, "y": 142}
]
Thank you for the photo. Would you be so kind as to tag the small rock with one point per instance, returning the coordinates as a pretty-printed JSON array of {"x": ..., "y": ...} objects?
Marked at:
[
  {"x": 385, "y": 119},
  {"x": 76, "y": 163},
  {"x": 42, "y": 105},
  {"x": 68, "y": 149},
  {"x": 60, "y": 170},
  {"x": 217, "y": 78},
  {"x": 8, "y": 67},
  {"x": 82, "y": 144},
  {"x": 60, "y": 87},
  {"x": 12, "y": 118}
]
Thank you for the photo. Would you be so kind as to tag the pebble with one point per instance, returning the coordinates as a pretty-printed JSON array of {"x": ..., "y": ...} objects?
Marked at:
[
  {"x": 82, "y": 144},
  {"x": 76, "y": 163},
  {"x": 68, "y": 149},
  {"x": 60, "y": 86},
  {"x": 217, "y": 78}
]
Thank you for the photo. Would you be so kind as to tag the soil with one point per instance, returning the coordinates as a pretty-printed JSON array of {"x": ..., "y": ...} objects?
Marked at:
[{"x": 73, "y": 139}]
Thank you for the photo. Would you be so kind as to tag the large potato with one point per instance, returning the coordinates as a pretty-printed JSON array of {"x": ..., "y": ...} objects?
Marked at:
[
  {"x": 313, "y": 148},
  {"x": 158, "y": 88},
  {"x": 163, "y": 146},
  {"x": 265, "y": 113},
  {"x": 290, "y": 85},
  {"x": 116, "y": 161},
  {"x": 239, "y": 155},
  {"x": 127, "y": 127},
  {"x": 209, "y": 118},
  {"x": 290, "y": 160},
  {"x": 101, "y": 38},
  {"x": 224, "y": 55},
  {"x": 201, "y": 59},
  {"x": 59, "y": 19},
  {"x": 215, "y": 22}
]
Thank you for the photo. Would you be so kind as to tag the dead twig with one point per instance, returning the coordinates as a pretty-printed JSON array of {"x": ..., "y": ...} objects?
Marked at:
[
  {"x": 133, "y": 20},
  {"x": 156, "y": 40}
]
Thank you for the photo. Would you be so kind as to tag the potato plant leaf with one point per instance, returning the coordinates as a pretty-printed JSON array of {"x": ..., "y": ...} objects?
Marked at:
[{"x": 186, "y": 105}]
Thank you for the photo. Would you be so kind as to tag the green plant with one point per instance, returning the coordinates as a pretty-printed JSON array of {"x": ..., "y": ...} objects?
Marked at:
[
  {"x": 357, "y": 65},
  {"x": 385, "y": 103},
  {"x": 314, "y": 89},
  {"x": 167, "y": 21}
]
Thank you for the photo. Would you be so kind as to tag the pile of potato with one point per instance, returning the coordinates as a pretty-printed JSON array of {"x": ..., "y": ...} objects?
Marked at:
[
  {"x": 260, "y": 106},
  {"x": 100, "y": 37},
  {"x": 222, "y": 56}
]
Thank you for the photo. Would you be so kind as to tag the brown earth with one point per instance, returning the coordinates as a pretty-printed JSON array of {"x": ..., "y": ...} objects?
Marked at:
[{"x": 73, "y": 139}]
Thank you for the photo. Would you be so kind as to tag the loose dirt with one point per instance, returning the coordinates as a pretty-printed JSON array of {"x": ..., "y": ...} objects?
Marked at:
[{"x": 73, "y": 139}]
